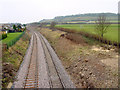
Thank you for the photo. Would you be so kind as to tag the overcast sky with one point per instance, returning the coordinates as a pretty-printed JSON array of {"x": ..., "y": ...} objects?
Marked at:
[{"x": 26, "y": 11}]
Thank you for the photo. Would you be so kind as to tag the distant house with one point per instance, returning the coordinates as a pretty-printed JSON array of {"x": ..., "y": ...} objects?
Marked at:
[
  {"x": 23, "y": 27},
  {"x": 11, "y": 30},
  {"x": 3, "y": 31},
  {"x": 6, "y": 26}
]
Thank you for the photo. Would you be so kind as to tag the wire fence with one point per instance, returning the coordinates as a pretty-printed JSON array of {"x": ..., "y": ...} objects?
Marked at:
[
  {"x": 12, "y": 42},
  {"x": 93, "y": 36}
]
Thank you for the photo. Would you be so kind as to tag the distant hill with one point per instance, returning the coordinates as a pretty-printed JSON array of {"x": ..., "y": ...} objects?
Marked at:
[{"x": 82, "y": 18}]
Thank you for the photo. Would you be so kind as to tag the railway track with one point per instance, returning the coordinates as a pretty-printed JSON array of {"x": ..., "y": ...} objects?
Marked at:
[
  {"x": 41, "y": 67},
  {"x": 32, "y": 74}
]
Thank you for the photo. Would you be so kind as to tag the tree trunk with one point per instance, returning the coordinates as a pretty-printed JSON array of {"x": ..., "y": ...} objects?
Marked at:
[{"x": 102, "y": 35}]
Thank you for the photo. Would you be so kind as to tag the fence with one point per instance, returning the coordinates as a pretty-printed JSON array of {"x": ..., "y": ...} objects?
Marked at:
[
  {"x": 12, "y": 42},
  {"x": 96, "y": 37}
]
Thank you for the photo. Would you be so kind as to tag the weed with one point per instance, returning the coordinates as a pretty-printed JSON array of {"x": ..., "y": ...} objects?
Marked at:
[
  {"x": 76, "y": 38},
  {"x": 12, "y": 59}
]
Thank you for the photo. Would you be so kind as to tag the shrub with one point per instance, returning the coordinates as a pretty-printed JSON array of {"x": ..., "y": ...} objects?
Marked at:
[
  {"x": 3, "y": 36},
  {"x": 96, "y": 37},
  {"x": 75, "y": 38},
  {"x": 104, "y": 40},
  {"x": 119, "y": 45},
  {"x": 26, "y": 37},
  {"x": 52, "y": 25},
  {"x": 115, "y": 43}
]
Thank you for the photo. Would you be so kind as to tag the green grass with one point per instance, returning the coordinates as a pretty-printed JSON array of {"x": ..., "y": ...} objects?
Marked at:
[
  {"x": 12, "y": 58},
  {"x": 112, "y": 33},
  {"x": 11, "y": 36}
]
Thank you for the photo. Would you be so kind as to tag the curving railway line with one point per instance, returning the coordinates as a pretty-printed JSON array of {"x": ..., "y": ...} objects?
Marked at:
[{"x": 41, "y": 67}]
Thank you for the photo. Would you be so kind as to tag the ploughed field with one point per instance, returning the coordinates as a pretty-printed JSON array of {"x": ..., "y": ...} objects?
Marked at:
[{"x": 112, "y": 31}]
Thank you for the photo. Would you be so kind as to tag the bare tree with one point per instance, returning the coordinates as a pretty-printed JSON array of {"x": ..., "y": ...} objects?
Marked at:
[
  {"x": 102, "y": 25},
  {"x": 43, "y": 24},
  {"x": 52, "y": 25}
]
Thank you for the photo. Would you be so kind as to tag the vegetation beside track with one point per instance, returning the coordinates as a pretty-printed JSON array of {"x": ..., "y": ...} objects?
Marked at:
[
  {"x": 13, "y": 57},
  {"x": 112, "y": 32},
  {"x": 12, "y": 38},
  {"x": 85, "y": 61},
  {"x": 92, "y": 36}
]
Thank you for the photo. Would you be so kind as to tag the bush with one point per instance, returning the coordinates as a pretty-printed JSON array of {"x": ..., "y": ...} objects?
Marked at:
[
  {"x": 75, "y": 38},
  {"x": 3, "y": 36},
  {"x": 26, "y": 37},
  {"x": 119, "y": 45},
  {"x": 92, "y": 36},
  {"x": 52, "y": 25}
]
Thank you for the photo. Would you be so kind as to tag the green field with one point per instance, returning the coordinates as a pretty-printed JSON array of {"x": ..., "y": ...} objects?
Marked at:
[
  {"x": 11, "y": 36},
  {"x": 112, "y": 32}
]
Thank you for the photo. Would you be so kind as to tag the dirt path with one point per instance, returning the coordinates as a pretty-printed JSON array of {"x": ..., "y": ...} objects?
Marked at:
[{"x": 41, "y": 67}]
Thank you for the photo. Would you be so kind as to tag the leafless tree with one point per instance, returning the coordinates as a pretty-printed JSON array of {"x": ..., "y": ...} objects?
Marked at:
[
  {"x": 43, "y": 24},
  {"x": 102, "y": 25},
  {"x": 52, "y": 25}
]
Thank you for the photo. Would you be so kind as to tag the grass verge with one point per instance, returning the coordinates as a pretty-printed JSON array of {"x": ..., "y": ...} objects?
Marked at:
[
  {"x": 12, "y": 58},
  {"x": 11, "y": 36}
]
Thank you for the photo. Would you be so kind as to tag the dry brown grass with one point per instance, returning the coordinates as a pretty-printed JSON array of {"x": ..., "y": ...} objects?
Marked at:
[
  {"x": 76, "y": 38},
  {"x": 93, "y": 36},
  {"x": 65, "y": 49},
  {"x": 12, "y": 58},
  {"x": 83, "y": 64}
]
